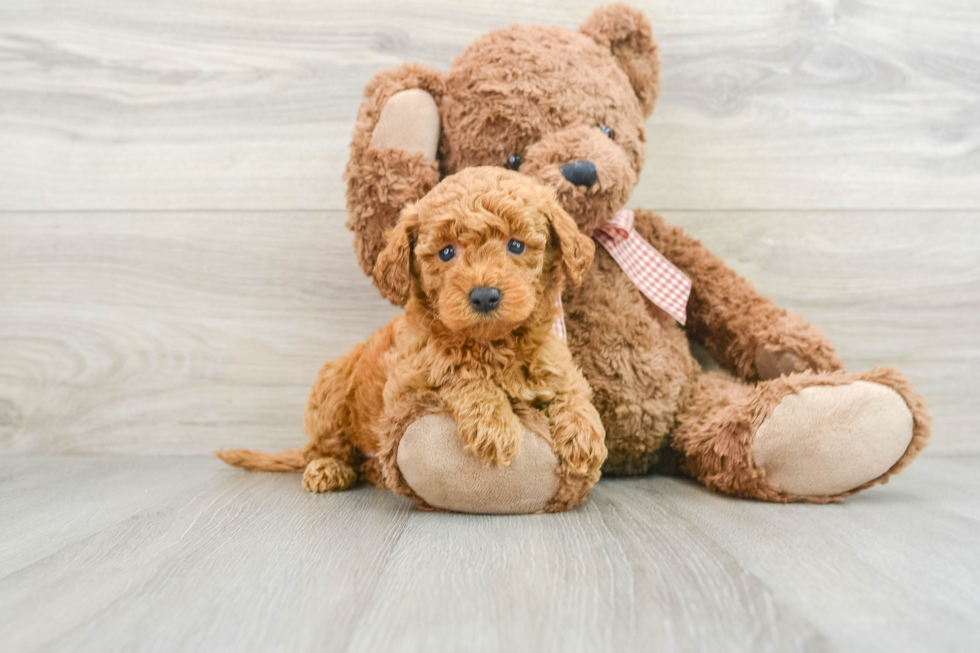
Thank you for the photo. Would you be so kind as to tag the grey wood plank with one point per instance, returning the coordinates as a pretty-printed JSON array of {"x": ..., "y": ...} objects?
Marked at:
[
  {"x": 951, "y": 487},
  {"x": 241, "y": 562},
  {"x": 186, "y": 332},
  {"x": 205, "y": 104},
  {"x": 609, "y": 577},
  {"x": 892, "y": 569},
  {"x": 48, "y": 504},
  {"x": 248, "y": 562},
  {"x": 147, "y": 333}
]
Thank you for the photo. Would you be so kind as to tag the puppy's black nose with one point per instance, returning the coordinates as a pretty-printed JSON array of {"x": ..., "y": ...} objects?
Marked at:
[
  {"x": 580, "y": 173},
  {"x": 485, "y": 299}
]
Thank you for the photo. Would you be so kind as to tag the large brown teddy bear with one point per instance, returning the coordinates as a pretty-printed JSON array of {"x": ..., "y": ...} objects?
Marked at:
[{"x": 569, "y": 109}]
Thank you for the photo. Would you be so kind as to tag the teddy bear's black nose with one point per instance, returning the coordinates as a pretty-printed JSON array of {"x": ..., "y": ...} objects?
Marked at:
[
  {"x": 579, "y": 173},
  {"x": 485, "y": 299}
]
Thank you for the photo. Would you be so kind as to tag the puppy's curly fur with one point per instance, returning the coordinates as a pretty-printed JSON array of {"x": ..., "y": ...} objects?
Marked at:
[{"x": 484, "y": 368}]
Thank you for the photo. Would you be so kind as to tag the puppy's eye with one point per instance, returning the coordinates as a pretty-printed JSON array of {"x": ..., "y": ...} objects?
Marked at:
[
  {"x": 515, "y": 246},
  {"x": 607, "y": 131},
  {"x": 447, "y": 253},
  {"x": 513, "y": 162}
]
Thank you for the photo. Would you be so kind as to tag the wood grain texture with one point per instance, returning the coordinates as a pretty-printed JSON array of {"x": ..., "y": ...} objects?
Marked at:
[
  {"x": 47, "y": 505},
  {"x": 174, "y": 271},
  {"x": 209, "y": 104},
  {"x": 183, "y": 332},
  {"x": 248, "y": 562},
  {"x": 163, "y": 333}
]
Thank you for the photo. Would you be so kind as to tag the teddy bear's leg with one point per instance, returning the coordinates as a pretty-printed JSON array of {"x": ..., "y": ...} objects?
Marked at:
[
  {"x": 393, "y": 153},
  {"x": 804, "y": 437}
]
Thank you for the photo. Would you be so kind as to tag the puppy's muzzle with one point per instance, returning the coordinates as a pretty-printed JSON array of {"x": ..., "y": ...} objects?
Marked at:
[{"x": 485, "y": 299}]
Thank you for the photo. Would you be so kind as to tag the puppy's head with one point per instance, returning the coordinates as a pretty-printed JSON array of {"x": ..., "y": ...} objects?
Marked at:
[{"x": 484, "y": 252}]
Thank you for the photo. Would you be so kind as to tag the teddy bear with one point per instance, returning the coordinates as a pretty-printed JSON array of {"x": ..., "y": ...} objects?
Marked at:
[{"x": 783, "y": 421}]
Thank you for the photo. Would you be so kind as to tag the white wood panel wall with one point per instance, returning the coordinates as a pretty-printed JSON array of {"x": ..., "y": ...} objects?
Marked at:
[{"x": 173, "y": 265}]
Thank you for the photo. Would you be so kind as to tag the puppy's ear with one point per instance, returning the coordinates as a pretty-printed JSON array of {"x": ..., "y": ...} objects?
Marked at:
[
  {"x": 393, "y": 270},
  {"x": 627, "y": 33},
  {"x": 576, "y": 249}
]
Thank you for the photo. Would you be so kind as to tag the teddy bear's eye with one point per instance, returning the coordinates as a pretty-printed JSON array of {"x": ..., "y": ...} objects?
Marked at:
[
  {"x": 515, "y": 246},
  {"x": 607, "y": 131},
  {"x": 447, "y": 253},
  {"x": 513, "y": 162}
]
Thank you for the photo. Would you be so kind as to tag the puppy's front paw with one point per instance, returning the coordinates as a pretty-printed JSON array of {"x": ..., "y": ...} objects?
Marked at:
[
  {"x": 494, "y": 439},
  {"x": 580, "y": 440},
  {"x": 328, "y": 475}
]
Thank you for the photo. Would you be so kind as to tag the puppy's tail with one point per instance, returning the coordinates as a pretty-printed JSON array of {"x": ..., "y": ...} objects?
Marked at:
[{"x": 290, "y": 460}]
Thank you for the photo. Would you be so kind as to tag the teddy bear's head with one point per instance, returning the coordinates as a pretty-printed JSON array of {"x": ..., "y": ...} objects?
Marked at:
[{"x": 566, "y": 108}]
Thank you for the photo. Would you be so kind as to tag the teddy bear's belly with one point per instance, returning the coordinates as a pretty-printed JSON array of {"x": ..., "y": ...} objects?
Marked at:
[{"x": 640, "y": 368}]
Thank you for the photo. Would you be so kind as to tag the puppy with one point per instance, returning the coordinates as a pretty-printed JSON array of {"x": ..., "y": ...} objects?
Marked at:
[{"x": 479, "y": 264}]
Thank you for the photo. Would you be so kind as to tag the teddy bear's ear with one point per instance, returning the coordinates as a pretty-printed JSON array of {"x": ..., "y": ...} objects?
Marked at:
[
  {"x": 577, "y": 250},
  {"x": 627, "y": 33},
  {"x": 393, "y": 270}
]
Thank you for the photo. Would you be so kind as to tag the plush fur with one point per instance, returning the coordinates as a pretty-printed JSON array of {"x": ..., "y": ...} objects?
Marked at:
[
  {"x": 495, "y": 373},
  {"x": 547, "y": 94}
]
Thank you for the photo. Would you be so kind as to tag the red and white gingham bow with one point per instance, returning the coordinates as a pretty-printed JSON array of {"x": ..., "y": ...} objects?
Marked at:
[
  {"x": 559, "y": 326},
  {"x": 655, "y": 276}
]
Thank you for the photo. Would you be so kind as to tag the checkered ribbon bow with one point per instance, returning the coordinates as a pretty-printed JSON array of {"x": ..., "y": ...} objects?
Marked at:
[{"x": 655, "y": 276}]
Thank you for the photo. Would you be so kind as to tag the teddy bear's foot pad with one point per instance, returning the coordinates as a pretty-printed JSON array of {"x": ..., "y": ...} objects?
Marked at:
[
  {"x": 826, "y": 440},
  {"x": 438, "y": 468},
  {"x": 409, "y": 122}
]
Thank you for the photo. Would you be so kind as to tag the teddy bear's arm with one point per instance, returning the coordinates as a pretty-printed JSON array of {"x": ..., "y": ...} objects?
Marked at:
[
  {"x": 745, "y": 332},
  {"x": 392, "y": 153},
  {"x": 487, "y": 423}
]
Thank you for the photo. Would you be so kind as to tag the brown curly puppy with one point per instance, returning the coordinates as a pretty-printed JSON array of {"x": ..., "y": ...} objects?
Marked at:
[{"x": 479, "y": 264}]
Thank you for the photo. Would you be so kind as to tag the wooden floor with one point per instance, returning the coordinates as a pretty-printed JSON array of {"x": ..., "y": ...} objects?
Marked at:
[
  {"x": 174, "y": 271},
  {"x": 183, "y": 554}
]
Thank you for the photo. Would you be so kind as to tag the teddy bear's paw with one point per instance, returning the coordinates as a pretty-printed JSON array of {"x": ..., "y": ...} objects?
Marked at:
[
  {"x": 328, "y": 475},
  {"x": 408, "y": 122},
  {"x": 436, "y": 465},
  {"x": 827, "y": 440},
  {"x": 773, "y": 364},
  {"x": 792, "y": 345}
]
